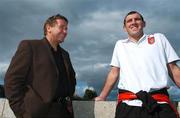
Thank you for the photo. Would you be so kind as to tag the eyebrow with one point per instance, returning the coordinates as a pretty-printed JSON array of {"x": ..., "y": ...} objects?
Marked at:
[{"x": 133, "y": 18}]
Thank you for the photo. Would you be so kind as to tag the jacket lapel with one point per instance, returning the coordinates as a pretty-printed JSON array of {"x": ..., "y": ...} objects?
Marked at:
[
  {"x": 45, "y": 42},
  {"x": 48, "y": 50}
]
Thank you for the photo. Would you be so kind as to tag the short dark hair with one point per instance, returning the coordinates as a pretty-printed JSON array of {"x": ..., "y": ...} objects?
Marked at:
[
  {"x": 133, "y": 12},
  {"x": 52, "y": 21}
]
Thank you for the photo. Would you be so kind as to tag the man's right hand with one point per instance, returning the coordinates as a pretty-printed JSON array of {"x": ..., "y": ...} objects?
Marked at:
[{"x": 99, "y": 98}]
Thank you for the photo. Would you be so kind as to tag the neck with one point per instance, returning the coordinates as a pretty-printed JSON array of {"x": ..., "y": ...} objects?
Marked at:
[
  {"x": 52, "y": 42},
  {"x": 135, "y": 38}
]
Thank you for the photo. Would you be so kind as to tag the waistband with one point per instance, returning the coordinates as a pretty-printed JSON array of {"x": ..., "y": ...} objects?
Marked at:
[
  {"x": 66, "y": 103},
  {"x": 62, "y": 99},
  {"x": 159, "y": 95}
]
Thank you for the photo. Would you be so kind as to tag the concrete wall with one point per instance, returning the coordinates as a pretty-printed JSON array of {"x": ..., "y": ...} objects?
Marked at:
[
  {"x": 91, "y": 109},
  {"x": 5, "y": 111},
  {"x": 82, "y": 109}
]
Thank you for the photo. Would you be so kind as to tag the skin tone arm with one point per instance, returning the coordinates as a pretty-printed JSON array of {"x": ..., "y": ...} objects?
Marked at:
[
  {"x": 109, "y": 84},
  {"x": 174, "y": 72}
]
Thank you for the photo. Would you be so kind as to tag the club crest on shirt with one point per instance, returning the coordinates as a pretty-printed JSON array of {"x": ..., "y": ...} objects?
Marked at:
[{"x": 151, "y": 39}]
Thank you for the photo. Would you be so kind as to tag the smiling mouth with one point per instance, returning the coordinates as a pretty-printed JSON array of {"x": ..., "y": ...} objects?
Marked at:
[{"x": 134, "y": 28}]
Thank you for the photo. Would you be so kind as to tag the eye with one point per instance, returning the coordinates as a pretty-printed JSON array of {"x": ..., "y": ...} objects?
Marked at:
[
  {"x": 129, "y": 20},
  {"x": 63, "y": 27},
  {"x": 138, "y": 19}
]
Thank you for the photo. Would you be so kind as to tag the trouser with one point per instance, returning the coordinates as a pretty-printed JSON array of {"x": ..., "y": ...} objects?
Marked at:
[
  {"x": 150, "y": 108},
  {"x": 61, "y": 108},
  {"x": 162, "y": 111},
  {"x": 58, "y": 110}
]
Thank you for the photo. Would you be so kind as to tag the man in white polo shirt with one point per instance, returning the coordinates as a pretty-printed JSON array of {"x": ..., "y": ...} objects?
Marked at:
[{"x": 143, "y": 64}]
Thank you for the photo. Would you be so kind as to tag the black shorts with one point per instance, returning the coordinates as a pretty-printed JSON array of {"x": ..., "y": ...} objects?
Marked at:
[{"x": 162, "y": 111}]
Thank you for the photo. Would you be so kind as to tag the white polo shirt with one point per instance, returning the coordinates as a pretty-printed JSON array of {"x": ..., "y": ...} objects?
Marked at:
[{"x": 143, "y": 64}]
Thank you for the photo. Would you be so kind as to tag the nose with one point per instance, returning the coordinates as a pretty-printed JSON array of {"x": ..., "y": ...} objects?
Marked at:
[{"x": 133, "y": 20}]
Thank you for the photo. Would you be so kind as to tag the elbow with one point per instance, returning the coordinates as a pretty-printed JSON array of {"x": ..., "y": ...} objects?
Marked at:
[
  {"x": 178, "y": 84},
  {"x": 177, "y": 80}
]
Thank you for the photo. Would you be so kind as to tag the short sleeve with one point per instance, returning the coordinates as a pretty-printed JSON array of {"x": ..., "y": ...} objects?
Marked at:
[
  {"x": 115, "y": 56},
  {"x": 170, "y": 53}
]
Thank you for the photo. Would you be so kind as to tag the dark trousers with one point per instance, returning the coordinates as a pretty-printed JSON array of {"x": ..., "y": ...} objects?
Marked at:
[
  {"x": 58, "y": 110},
  {"x": 162, "y": 111},
  {"x": 55, "y": 110}
]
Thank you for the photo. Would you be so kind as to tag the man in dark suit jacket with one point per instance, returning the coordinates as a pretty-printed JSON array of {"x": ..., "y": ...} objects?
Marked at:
[{"x": 40, "y": 81}]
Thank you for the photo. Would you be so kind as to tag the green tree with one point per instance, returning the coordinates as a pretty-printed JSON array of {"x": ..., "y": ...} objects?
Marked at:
[{"x": 89, "y": 94}]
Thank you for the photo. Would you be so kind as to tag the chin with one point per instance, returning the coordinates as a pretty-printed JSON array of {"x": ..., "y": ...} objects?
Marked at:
[
  {"x": 61, "y": 41},
  {"x": 135, "y": 33}
]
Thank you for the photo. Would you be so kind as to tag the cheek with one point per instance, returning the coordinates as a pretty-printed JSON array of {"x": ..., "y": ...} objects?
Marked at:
[
  {"x": 60, "y": 31},
  {"x": 125, "y": 27}
]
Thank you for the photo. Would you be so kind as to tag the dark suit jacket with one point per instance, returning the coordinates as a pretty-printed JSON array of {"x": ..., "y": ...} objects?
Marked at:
[{"x": 32, "y": 78}]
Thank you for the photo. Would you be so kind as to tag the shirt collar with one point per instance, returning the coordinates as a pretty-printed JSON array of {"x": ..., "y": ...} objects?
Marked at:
[
  {"x": 49, "y": 45},
  {"x": 141, "y": 39}
]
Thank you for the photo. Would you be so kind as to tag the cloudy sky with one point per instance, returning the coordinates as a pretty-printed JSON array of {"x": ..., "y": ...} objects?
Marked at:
[{"x": 94, "y": 28}]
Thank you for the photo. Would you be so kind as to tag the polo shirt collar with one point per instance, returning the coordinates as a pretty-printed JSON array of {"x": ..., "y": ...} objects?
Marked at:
[{"x": 140, "y": 40}]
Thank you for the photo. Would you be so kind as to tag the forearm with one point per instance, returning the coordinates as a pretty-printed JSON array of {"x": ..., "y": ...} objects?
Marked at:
[
  {"x": 110, "y": 82},
  {"x": 176, "y": 76},
  {"x": 14, "y": 91},
  {"x": 174, "y": 73}
]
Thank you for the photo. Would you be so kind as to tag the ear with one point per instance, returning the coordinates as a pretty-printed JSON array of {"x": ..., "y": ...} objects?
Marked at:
[
  {"x": 124, "y": 28},
  {"x": 48, "y": 28}
]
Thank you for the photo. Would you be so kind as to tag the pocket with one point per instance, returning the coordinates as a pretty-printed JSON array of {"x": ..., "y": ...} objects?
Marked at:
[{"x": 34, "y": 104}]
